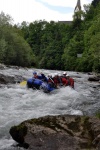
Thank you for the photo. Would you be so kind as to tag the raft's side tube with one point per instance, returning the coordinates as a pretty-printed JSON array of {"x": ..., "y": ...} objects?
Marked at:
[
  {"x": 34, "y": 83},
  {"x": 39, "y": 84},
  {"x": 46, "y": 87}
]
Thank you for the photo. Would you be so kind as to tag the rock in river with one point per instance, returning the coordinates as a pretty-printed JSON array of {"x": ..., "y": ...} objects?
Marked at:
[{"x": 62, "y": 132}]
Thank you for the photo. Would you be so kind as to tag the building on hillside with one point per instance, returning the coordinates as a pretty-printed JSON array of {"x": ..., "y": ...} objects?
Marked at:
[{"x": 77, "y": 8}]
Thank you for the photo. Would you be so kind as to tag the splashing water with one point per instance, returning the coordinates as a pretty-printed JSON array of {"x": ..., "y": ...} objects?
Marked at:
[{"x": 17, "y": 103}]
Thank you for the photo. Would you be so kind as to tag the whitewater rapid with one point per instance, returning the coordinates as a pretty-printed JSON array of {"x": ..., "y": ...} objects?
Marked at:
[{"x": 17, "y": 103}]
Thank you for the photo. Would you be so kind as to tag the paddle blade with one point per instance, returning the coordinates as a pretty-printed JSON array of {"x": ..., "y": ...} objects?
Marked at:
[{"x": 23, "y": 83}]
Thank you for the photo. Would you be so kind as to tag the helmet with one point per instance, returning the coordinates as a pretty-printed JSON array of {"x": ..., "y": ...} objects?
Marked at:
[
  {"x": 59, "y": 74},
  {"x": 64, "y": 73},
  {"x": 34, "y": 72}
]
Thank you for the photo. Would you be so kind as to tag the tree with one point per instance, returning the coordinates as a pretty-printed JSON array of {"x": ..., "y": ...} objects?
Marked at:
[
  {"x": 91, "y": 53},
  {"x": 5, "y": 19},
  {"x": 95, "y": 2},
  {"x": 3, "y": 46},
  {"x": 14, "y": 50}
]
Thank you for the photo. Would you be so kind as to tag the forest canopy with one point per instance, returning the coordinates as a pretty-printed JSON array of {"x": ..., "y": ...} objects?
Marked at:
[{"x": 53, "y": 45}]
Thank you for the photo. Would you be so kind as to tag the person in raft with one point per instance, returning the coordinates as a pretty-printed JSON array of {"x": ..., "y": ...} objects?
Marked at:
[
  {"x": 41, "y": 76},
  {"x": 70, "y": 81},
  {"x": 57, "y": 80}
]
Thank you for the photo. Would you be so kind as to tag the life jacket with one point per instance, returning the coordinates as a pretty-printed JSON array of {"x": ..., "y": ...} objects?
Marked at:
[
  {"x": 42, "y": 77},
  {"x": 68, "y": 81},
  {"x": 65, "y": 81},
  {"x": 57, "y": 80},
  {"x": 71, "y": 82},
  {"x": 51, "y": 82}
]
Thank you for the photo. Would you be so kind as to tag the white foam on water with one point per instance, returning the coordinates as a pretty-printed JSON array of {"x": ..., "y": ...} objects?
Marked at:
[
  {"x": 6, "y": 144},
  {"x": 17, "y": 103}
]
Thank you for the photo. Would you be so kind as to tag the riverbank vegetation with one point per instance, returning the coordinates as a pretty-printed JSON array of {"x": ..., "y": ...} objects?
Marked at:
[{"x": 53, "y": 45}]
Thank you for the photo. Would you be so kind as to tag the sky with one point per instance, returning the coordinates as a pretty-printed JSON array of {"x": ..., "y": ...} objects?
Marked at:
[{"x": 32, "y": 10}]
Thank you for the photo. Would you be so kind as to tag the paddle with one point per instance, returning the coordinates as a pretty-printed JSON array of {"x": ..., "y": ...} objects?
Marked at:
[{"x": 23, "y": 83}]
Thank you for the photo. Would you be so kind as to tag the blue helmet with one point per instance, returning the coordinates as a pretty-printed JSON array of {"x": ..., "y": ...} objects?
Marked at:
[{"x": 34, "y": 72}]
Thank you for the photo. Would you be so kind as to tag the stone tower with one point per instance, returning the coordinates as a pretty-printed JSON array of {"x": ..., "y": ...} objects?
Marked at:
[{"x": 78, "y": 6}]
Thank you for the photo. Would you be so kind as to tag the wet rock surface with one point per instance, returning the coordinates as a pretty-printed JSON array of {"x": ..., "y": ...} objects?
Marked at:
[
  {"x": 5, "y": 79},
  {"x": 9, "y": 79},
  {"x": 62, "y": 132},
  {"x": 94, "y": 78}
]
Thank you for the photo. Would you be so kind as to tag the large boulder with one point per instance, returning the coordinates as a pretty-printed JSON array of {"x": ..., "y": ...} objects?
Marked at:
[
  {"x": 62, "y": 132},
  {"x": 94, "y": 78},
  {"x": 6, "y": 79},
  {"x": 9, "y": 79}
]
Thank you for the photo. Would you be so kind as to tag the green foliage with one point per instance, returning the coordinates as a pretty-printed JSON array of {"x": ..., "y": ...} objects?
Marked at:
[
  {"x": 45, "y": 40},
  {"x": 75, "y": 46},
  {"x": 5, "y": 20},
  {"x": 92, "y": 43},
  {"x": 53, "y": 45},
  {"x": 95, "y": 2},
  {"x": 3, "y": 46},
  {"x": 14, "y": 50}
]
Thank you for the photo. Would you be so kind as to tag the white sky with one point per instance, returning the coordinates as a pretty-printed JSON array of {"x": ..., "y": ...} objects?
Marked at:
[{"x": 31, "y": 10}]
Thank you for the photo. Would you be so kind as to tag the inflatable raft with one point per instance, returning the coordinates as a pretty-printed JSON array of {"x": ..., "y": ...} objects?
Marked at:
[{"x": 40, "y": 85}]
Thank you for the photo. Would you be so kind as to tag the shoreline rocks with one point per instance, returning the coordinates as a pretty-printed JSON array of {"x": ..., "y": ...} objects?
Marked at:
[
  {"x": 62, "y": 132},
  {"x": 94, "y": 78},
  {"x": 5, "y": 79}
]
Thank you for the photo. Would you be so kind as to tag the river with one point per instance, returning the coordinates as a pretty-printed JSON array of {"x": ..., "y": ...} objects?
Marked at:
[{"x": 17, "y": 103}]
